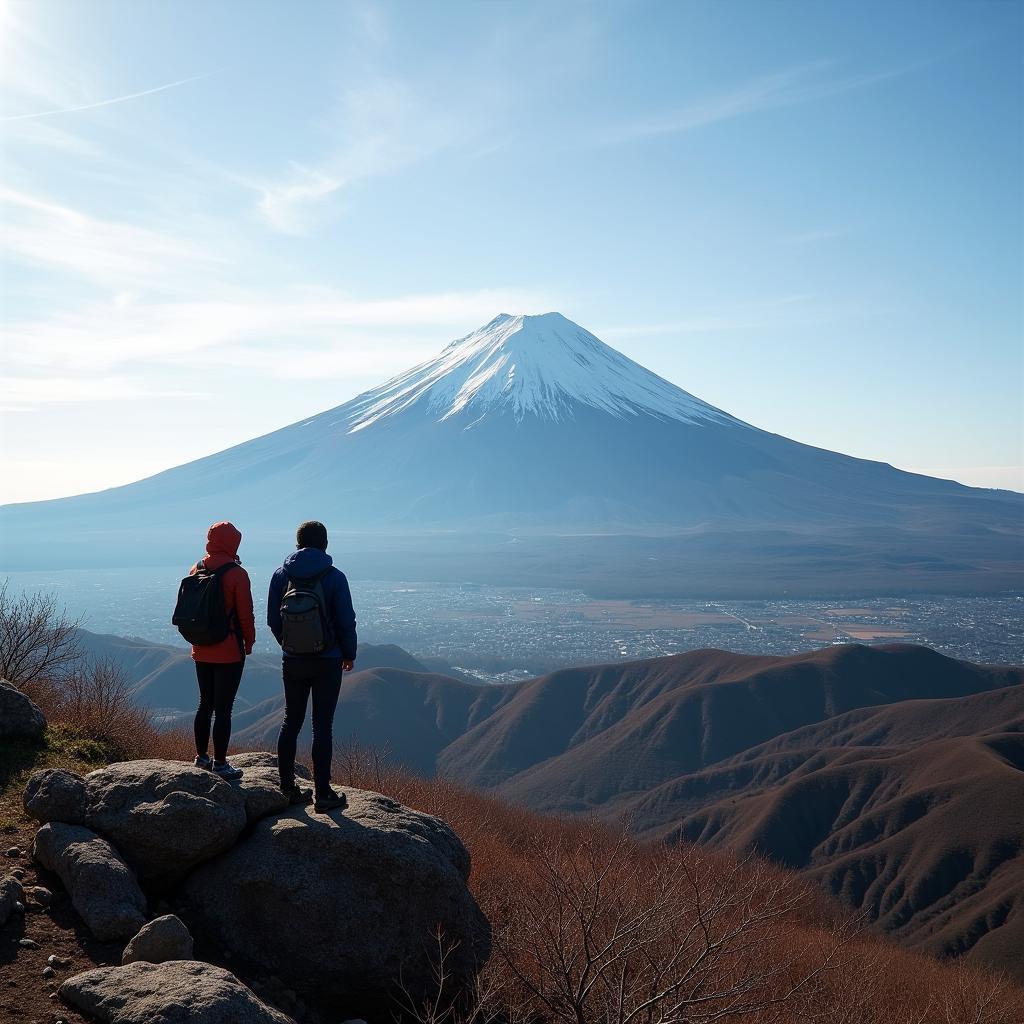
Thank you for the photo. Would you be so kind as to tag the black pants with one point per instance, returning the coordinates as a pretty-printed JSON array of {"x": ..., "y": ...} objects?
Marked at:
[
  {"x": 218, "y": 685},
  {"x": 322, "y": 678}
]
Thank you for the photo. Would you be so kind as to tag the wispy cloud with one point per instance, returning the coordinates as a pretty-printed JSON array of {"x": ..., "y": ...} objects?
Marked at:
[
  {"x": 107, "y": 102},
  {"x": 802, "y": 83},
  {"x": 49, "y": 234},
  {"x": 384, "y": 126}
]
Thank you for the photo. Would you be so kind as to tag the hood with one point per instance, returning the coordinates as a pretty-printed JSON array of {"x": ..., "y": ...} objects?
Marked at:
[
  {"x": 223, "y": 539},
  {"x": 307, "y": 562}
]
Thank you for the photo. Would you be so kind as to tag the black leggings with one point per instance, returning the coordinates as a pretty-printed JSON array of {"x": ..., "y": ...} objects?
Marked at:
[
  {"x": 322, "y": 677},
  {"x": 218, "y": 685}
]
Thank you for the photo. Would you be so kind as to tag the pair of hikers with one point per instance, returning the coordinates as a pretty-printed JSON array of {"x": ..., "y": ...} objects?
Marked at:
[{"x": 309, "y": 611}]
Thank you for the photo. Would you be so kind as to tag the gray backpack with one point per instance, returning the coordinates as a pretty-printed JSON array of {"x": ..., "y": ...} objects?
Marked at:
[{"x": 305, "y": 627}]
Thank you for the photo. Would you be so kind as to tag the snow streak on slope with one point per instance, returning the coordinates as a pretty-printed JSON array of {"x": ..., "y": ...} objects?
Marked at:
[{"x": 530, "y": 365}]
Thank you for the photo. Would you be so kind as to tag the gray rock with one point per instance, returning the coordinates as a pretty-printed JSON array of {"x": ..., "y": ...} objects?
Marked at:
[
  {"x": 18, "y": 715},
  {"x": 54, "y": 794},
  {"x": 49, "y": 972},
  {"x": 11, "y": 894},
  {"x": 164, "y": 938},
  {"x": 262, "y": 759},
  {"x": 103, "y": 889},
  {"x": 353, "y": 901},
  {"x": 41, "y": 896},
  {"x": 261, "y": 783},
  {"x": 164, "y": 817},
  {"x": 176, "y": 992},
  {"x": 28, "y": 943},
  {"x": 261, "y": 788}
]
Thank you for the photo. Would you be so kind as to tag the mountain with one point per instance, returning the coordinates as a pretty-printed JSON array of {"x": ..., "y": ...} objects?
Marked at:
[
  {"x": 532, "y": 430},
  {"x": 163, "y": 676}
]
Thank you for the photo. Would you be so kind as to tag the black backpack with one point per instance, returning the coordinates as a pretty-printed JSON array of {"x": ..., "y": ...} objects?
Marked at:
[
  {"x": 199, "y": 612},
  {"x": 305, "y": 628}
]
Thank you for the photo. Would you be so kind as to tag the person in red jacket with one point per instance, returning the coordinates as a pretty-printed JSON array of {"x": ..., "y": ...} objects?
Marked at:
[{"x": 219, "y": 666}]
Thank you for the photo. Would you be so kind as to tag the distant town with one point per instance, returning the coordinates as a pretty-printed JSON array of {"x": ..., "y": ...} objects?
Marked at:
[{"x": 507, "y": 633}]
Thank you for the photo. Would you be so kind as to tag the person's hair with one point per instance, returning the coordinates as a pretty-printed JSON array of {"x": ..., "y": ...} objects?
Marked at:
[{"x": 311, "y": 534}]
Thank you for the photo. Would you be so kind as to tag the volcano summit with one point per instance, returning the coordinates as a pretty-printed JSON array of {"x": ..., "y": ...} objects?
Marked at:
[{"x": 529, "y": 428}]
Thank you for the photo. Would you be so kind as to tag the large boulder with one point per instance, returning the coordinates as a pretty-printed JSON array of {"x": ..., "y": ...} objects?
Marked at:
[
  {"x": 344, "y": 908},
  {"x": 102, "y": 887},
  {"x": 261, "y": 784},
  {"x": 176, "y": 992},
  {"x": 54, "y": 794},
  {"x": 11, "y": 894},
  {"x": 164, "y": 938},
  {"x": 164, "y": 817},
  {"x": 18, "y": 715}
]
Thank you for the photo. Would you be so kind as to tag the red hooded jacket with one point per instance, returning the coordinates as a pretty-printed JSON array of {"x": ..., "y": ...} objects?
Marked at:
[{"x": 221, "y": 547}]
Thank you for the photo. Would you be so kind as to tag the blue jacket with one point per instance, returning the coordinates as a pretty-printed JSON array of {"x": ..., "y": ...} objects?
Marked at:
[{"x": 303, "y": 564}]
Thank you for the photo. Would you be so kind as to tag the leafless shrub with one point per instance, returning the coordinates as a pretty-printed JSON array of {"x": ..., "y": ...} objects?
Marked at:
[
  {"x": 598, "y": 933},
  {"x": 38, "y": 640},
  {"x": 97, "y": 700},
  {"x": 452, "y": 1001},
  {"x": 362, "y": 767}
]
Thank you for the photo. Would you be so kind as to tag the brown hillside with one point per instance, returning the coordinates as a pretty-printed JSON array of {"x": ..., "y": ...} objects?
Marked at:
[
  {"x": 589, "y": 738},
  {"x": 411, "y": 715},
  {"x": 926, "y": 836}
]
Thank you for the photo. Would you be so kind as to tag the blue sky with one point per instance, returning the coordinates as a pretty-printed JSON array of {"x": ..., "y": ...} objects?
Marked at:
[{"x": 222, "y": 217}]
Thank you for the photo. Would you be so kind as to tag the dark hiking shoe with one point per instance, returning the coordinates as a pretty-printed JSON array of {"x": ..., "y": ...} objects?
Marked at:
[
  {"x": 298, "y": 795},
  {"x": 330, "y": 801},
  {"x": 204, "y": 761},
  {"x": 226, "y": 771}
]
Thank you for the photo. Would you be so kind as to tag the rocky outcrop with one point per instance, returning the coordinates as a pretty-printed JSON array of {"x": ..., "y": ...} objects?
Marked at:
[
  {"x": 176, "y": 992},
  {"x": 19, "y": 716},
  {"x": 344, "y": 910},
  {"x": 11, "y": 894},
  {"x": 102, "y": 887},
  {"x": 164, "y": 817},
  {"x": 165, "y": 938},
  {"x": 354, "y": 902}
]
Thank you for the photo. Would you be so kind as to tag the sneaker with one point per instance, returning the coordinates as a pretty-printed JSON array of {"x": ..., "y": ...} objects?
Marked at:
[
  {"x": 330, "y": 801},
  {"x": 298, "y": 795},
  {"x": 203, "y": 761},
  {"x": 225, "y": 771}
]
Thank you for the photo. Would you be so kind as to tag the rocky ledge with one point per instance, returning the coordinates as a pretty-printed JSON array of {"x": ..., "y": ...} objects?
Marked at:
[{"x": 343, "y": 910}]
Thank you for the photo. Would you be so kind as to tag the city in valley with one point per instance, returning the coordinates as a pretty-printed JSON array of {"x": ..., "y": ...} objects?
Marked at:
[{"x": 509, "y": 633}]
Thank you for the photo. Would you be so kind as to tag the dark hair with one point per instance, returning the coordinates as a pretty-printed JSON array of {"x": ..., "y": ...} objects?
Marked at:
[{"x": 311, "y": 534}]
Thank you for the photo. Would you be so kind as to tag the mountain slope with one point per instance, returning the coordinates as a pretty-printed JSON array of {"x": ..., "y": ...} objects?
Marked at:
[
  {"x": 533, "y": 424},
  {"x": 408, "y": 717},
  {"x": 924, "y": 834},
  {"x": 589, "y": 738}
]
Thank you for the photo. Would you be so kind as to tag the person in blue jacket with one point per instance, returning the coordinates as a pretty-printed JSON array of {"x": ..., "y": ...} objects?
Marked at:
[{"x": 319, "y": 674}]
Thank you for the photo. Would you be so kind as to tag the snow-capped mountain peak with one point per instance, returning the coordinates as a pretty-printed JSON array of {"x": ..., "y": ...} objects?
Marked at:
[{"x": 544, "y": 366}]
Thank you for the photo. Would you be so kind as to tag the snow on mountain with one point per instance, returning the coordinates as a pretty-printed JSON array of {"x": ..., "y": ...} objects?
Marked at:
[{"x": 538, "y": 365}]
